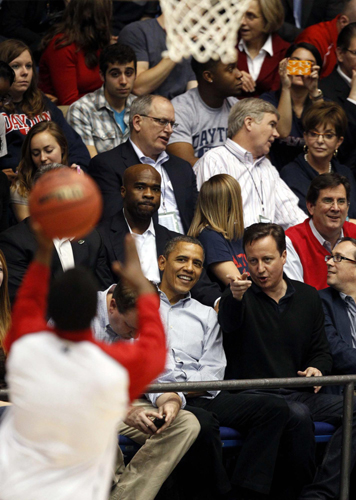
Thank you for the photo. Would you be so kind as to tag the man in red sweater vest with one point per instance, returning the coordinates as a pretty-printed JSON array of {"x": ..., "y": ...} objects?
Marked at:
[{"x": 308, "y": 243}]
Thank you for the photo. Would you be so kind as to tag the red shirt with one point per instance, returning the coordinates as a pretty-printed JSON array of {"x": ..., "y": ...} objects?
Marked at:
[
  {"x": 324, "y": 37},
  {"x": 64, "y": 74}
]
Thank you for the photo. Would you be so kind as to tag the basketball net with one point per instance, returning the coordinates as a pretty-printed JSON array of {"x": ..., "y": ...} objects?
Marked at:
[{"x": 204, "y": 29}]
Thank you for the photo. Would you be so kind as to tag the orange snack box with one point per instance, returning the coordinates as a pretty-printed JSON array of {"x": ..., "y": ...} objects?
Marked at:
[{"x": 295, "y": 67}]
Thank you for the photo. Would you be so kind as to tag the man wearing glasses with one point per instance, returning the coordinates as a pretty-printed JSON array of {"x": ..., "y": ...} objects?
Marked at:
[
  {"x": 151, "y": 124},
  {"x": 308, "y": 243},
  {"x": 339, "y": 304}
]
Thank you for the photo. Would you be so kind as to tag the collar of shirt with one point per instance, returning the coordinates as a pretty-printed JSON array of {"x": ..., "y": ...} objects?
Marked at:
[
  {"x": 348, "y": 299},
  {"x": 266, "y": 48},
  {"x": 149, "y": 230},
  {"x": 101, "y": 101},
  {"x": 180, "y": 302},
  {"x": 242, "y": 154},
  {"x": 343, "y": 76},
  {"x": 322, "y": 240},
  {"x": 289, "y": 292},
  {"x": 162, "y": 157},
  {"x": 65, "y": 252}
]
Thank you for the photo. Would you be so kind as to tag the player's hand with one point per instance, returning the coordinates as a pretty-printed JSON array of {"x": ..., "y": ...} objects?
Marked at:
[
  {"x": 311, "y": 372},
  {"x": 239, "y": 285},
  {"x": 131, "y": 271},
  {"x": 248, "y": 83},
  {"x": 44, "y": 244},
  {"x": 142, "y": 420}
]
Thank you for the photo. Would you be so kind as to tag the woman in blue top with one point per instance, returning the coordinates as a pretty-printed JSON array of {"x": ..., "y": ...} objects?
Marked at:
[{"x": 218, "y": 224}]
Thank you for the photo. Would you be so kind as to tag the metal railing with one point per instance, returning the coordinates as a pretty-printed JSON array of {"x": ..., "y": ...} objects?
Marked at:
[{"x": 346, "y": 380}]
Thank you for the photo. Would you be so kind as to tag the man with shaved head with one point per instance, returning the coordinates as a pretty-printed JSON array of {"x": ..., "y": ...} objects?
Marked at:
[
  {"x": 141, "y": 198},
  {"x": 151, "y": 125}
]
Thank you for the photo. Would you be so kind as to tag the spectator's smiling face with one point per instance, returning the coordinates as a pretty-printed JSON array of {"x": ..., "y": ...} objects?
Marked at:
[
  {"x": 330, "y": 210},
  {"x": 119, "y": 80},
  {"x": 22, "y": 67},
  {"x": 181, "y": 270}
]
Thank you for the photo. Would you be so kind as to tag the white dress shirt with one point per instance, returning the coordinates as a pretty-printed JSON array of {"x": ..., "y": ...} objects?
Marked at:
[
  {"x": 65, "y": 253},
  {"x": 168, "y": 213},
  {"x": 147, "y": 252},
  {"x": 293, "y": 267},
  {"x": 254, "y": 65},
  {"x": 265, "y": 196}
]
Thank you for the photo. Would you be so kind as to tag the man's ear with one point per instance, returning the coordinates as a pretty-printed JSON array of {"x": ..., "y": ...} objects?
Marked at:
[
  {"x": 136, "y": 123},
  {"x": 248, "y": 123},
  {"x": 208, "y": 77},
  {"x": 123, "y": 191},
  {"x": 112, "y": 305},
  {"x": 310, "y": 208},
  {"x": 343, "y": 21},
  {"x": 102, "y": 76},
  {"x": 161, "y": 262}
]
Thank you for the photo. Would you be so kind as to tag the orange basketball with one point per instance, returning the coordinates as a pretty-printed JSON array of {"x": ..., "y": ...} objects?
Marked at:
[{"x": 65, "y": 203}]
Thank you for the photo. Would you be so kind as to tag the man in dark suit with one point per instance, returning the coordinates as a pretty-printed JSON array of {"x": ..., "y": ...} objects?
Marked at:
[
  {"x": 340, "y": 307},
  {"x": 19, "y": 246},
  {"x": 151, "y": 125},
  {"x": 340, "y": 87},
  {"x": 309, "y": 12},
  {"x": 141, "y": 191}
]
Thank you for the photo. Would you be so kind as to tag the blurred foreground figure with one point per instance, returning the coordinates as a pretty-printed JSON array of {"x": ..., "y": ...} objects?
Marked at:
[{"x": 69, "y": 391}]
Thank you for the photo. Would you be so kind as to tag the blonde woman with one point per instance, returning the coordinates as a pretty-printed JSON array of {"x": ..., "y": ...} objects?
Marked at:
[{"x": 218, "y": 224}]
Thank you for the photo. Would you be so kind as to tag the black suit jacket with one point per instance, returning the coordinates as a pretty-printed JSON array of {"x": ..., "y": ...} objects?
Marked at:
[
  {"x": 113, "y": 233},
  {"x": 336, "y": 89},
  {"x": 19, "y": 246},
  {"x": 313, "y": 12},
  {"x": 338, "y": 332},
  {"x": 108, "y": 169}
]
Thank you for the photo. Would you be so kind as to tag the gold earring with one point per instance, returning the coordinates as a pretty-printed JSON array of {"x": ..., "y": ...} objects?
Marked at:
[
  {"x": 305, "y": 148},
  {"x": 335, "y": 153}
]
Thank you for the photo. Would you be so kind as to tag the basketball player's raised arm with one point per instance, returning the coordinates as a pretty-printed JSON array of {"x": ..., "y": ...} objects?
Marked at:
[{"x": 146, "y": 357}]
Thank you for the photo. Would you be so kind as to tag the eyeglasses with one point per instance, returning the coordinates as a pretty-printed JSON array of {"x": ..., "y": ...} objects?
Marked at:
[
  {"x": 353, "y": 52},
  {"x": 5, "y": 99},
  {"x": 327, "y": 136},
  {"x": 338, "y": 258},
  {"x": 162, "y": 121}
]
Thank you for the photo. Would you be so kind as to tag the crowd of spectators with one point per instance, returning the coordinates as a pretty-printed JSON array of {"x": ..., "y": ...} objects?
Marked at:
[{"x": 237, "y": 183}]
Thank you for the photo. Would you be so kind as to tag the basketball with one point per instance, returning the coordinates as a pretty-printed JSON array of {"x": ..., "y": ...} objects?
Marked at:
[{"x": 66, "y": 204}]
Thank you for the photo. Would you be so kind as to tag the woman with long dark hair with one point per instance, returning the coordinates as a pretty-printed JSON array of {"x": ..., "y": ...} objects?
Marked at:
[
  {"x": 28, "y": 106},
  {"x": 69, "y": 66},
  {"x": 45, "y": 143}
]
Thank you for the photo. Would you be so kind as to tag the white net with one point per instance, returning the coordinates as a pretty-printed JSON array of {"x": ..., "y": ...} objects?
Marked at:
[{"x": 204, "y": 29}]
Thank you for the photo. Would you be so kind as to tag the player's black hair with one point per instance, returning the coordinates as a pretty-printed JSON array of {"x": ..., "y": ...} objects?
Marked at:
[{"x": 72, "y": 299}]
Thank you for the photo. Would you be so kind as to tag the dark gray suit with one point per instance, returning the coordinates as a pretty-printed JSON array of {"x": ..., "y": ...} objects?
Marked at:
[{"x": 108, "y": 169}]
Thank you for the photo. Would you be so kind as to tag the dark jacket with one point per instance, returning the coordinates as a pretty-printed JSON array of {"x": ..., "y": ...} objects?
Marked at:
[
  {"x": 113, "y": 233},
  {"x": 108, "y": 169}
]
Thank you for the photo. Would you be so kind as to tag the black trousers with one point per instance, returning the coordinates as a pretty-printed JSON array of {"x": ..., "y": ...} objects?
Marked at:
[{"x": 269, "y": 428}]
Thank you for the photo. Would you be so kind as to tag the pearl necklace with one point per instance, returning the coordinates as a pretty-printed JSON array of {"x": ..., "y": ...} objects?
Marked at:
[{"x": 306, "y": 159}]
